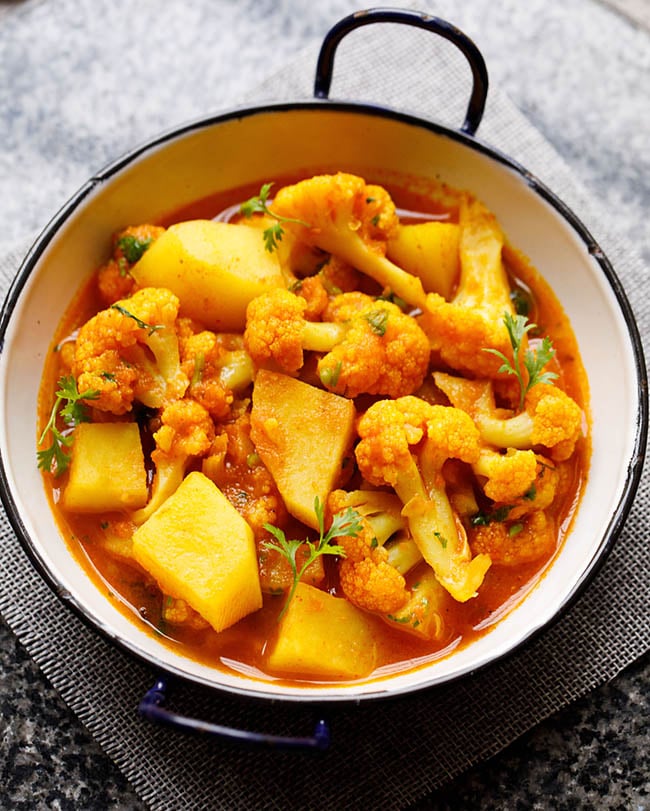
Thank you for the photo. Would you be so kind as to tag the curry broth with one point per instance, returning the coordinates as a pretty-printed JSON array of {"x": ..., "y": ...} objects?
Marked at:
[{"x": 243, "y": 647}]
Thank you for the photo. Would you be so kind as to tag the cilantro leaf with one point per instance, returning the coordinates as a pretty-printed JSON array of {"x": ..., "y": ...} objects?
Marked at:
[
  {"x": 132, "y": 247},
  {"x": 151, "y": 328},
  {"x": 258, "y": 204},
  {"x": 54, "y": 458},
  {"x": 534, "y": 360},
  {"x": 347, "y": 523}
]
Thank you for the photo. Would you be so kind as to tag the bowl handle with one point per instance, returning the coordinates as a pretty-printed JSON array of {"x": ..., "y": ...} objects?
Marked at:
[
  {"x": 325, "y": 64},
  {"x": 151, "y": 707}
]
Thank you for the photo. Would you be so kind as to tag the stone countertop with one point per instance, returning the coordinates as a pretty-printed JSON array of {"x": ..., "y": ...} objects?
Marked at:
[{"x": 81, "y": 82}]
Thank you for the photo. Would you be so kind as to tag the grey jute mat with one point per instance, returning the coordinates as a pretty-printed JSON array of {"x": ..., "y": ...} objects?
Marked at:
[{"x": 389, "y": 754}]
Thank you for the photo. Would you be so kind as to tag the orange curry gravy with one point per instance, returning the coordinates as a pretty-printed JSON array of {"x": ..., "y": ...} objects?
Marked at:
[{"x": 243, "y": 646}]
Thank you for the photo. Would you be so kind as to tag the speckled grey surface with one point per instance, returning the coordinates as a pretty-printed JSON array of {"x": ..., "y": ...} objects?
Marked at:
[{"x": 81, "y": 84}]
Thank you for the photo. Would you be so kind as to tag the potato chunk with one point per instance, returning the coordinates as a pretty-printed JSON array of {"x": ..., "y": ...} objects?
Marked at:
[
  {"x": 430, "y": 251},
  {"x": 200, "y": 549},
  {"x": 214, "y": 268},
  {"x": 324, "y": 636},
  {"x": 107, "y": 469},
  {"x": 302, "y": 435}
]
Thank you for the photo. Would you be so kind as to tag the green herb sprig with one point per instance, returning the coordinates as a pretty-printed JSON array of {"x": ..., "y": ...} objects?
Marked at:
[
  {"x": 55, "y": 458},
  {"x": 344, "y": 524},
  {"x": 133, "y": 247},
  {"x": 151, "y": 328},
  {"x": 527, "y": 370},
  {"x": 259, "y": 205}
]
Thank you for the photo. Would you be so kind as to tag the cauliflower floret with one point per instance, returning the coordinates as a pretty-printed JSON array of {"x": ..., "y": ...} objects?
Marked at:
[
  {"x": 508, "y": 476},
  {"x": 460, "y": 330},
  {"x": 352, "y": 221},
  {"x": 339, "y": 277},
  {"x": 177, "y": 612},
  {"x": 315, "y": 295},
  {"x": 186, "y": 433},
  {"x": 367, "y": 578},
  {"x": 514, "y": 543},
  {"x": 383, "y": 352},
  {"x": 278, "y": 333},
  {"x": 385, "y": 456},
  {"x": 236, "y": 468},
  {"x": 130, "y": 352},
  {"x": 550, "y": 418},
  {"x": 372, "y": 347},
  {"x": 217, "y": 366},
  {"x": 543, "y": 491}
]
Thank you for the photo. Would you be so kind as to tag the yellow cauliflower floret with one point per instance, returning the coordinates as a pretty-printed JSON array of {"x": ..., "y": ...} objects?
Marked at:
[
  {"x": 130, "y": 352},
  {"x": 386, "y": 436},
  {"x": 556, "y": 418},
  {"x": 511, "y": 544},
  {"x": 200, "y": 361},
  {"x": 351, "y": 220},
  {"x": 274, "y": 329},
  {"x": 508, "y": 475},
  {"x": 550, "y": 418},
  {"x": 315, "y": 295},
  {"x": 186, "y": 433},
  {"x": 461, "y": 329},
  {"x": 371, "y": 346},
  {"x": 186, "y": 430},
  {"x": 385, "y": 456},
  {"x": 345, "y": 306},
  {"x": 383, "y": 352},
  {"x": 366, "y": 577}
]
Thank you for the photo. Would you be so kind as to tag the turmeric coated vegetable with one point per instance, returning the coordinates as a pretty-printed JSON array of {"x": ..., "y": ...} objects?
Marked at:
[
  {"x": 351, "y": 220},
  {"x": 515, "y": 542},
  {"x": 367, "y": 578},
  {"x": 372, "y": 346},
  {"x": 551, "y": 418},
  {"x": 276, "y": 330},
  {"x": 461, "y": 329},
  {"x": 216, "y": 366},
  {"x": 384, "y": 352},
  {"x": 129, "y": 352},
  {"x": 186, "y": 432},
  {"x": 388, "y": 430},
  {"x": 508, "y": 476},
  {"x": 114, "y": 280}
]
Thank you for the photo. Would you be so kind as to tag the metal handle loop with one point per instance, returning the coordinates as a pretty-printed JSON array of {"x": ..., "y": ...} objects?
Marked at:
[
  {"x": 325, "y": 63},
  {"x": 152, "y": 708}
]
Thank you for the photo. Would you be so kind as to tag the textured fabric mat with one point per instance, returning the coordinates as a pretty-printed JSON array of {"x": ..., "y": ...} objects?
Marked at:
[{"x": 387, "y": 754}]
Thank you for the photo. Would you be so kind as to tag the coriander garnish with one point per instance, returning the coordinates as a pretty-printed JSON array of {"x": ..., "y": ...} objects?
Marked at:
[
  {"x": 259, "y": 205},
  {"x": 347, "y": 523},
  {"x": 151, "y": 328},
  {"x": 533, "y": 361},
  {"x": 54, "y": 458}
]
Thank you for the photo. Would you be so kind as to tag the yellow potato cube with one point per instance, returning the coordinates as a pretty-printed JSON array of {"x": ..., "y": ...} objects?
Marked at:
[
  {"x": 324, "y": 636},
  {"x": 302, "y": 435},
  {"x": 200, "y": 549},
  {"x": 107, "y": 469},
  {"x": 430, "y": 251},
  {"x": 214, "y": 268}
]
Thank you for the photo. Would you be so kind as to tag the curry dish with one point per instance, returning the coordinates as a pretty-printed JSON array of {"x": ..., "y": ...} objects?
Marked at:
[{"x": 318, "y": 430}]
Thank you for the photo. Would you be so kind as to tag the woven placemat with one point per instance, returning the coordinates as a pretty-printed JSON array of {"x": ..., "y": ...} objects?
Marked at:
[{"x": 386, "y": 754}]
